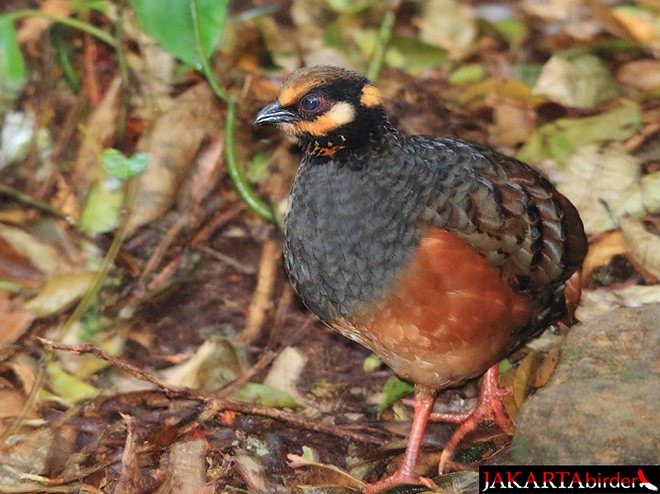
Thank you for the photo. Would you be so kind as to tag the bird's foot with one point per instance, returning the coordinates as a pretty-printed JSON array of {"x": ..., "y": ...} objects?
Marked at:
[
  {"x": 489, "y": 408},
  {"x": 400, "y": 477}
]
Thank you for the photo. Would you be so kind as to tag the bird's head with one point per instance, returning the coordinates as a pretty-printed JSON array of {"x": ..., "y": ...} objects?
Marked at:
[{"x": 329, "y": 109}]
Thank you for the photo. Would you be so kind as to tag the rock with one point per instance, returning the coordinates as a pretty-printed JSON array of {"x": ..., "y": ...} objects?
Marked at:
[{"x": 601, "y": 404}]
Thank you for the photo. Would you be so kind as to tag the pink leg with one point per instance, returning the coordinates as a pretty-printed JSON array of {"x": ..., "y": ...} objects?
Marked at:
[
  {"x": 404, "y": 474},
  {"x": 489, "y": 408}
]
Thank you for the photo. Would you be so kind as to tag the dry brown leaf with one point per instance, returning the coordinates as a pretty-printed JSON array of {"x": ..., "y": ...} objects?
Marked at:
[
  {"x": 515, "y": 119},
  {"x": 603, "y": 250},
  {"x": 96, "y": 133},
  {"x": 17, "y": 267},
  {"x": 43, "y": 255},
  {"x": 533, "y": 372},
  {"x": 253, "y": 474},
  {"x": 316, "y": 474},
  {"x": 14, "y": 321},
  {"x": 449, "y": 25},
  {"x": 594, "y": 178},
  {"x": 172, "y": 145},
  {"x": 186, "y": 469},
  {"x": 286, "y": 370},
  {"x": 59, "y": 293},
  {"x": 595, "y": 302},
  {"x": 640, "y": 74},
  {"x": 644, "y": 245},
  {"x": 28, "y": 453}
]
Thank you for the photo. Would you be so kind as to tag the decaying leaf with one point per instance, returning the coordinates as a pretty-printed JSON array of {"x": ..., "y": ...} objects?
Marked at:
[
  {"x": 67, "y": 387},
  {"x": 214, "y": 365},
  {"x": 559, "y": 139},
  {"x": 172, "y": 145},
  {"x": 594, "y": 178},
  {"x": 603, "y": 250},
  {"x": 449, "y": 25},
  {"x": 644, "y": 245},
  {"x": 27, "y": 452},
  {"x": 14, "y": 319},
  {"x": 595, "y": 302},
  {"x": 640, "y": 74},
  {"x": 59, "y": 293},
  {"x": 186, "y": 467},
  {"x": 286, "y": 370},
  {"x": 44, "y": 256},
  {"x": 579, "y": 81}
]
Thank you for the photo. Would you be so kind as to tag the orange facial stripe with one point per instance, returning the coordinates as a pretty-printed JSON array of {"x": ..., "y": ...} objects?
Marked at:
[
  {"x": 340, "y": 114},
  {"x": 371, "y": 96},
  {"x": 290, "y": 95}
]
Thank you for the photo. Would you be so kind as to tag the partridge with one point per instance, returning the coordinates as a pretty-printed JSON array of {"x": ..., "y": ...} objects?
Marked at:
[{"x": 439, "y": 255}]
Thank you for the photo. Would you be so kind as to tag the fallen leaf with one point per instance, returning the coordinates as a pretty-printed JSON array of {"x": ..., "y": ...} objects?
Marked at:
[
  {"x": 41, "y": 254},
  {"x": 214, "y": 365},
  {"x": 393, "y": 390},
  {"x": 559, "y": 139},
  {"x": 594, "y": 178},
  {"x": 186, "y": 468},
  {"x": 28, "y": 452},
  {"x": 449, "y": 25},
  {"x": 59, "y": 293},
  {"x": 603, "y": 250},
  {"x": 596, "y": 302},
  {"x": 644, "y": 245},
  {"x": 265, "y": 395},
  {"x": 578, "y": 81},
  {"x": 68, "y": 387},
  {"x": 172, "y": 145},
  {"x": 640, "y": 74},
  {"x": 286, "y": 370},
  {"x": 638, "y": 21}
]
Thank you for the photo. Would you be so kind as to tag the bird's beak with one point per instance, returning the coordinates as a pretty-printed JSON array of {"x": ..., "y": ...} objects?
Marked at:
[{"x": 274, "y": 114}]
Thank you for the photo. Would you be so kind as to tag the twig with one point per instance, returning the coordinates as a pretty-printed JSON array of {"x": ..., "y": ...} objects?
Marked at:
[
  {"x": 34, "y": 203},
  {"x": 217, "y": 222},
  {"x": 261, "y": 302},
  {"x": 264, "y": 361},
  {"x": 214, "y": 405},
  {"x": 384, "y": 35}
]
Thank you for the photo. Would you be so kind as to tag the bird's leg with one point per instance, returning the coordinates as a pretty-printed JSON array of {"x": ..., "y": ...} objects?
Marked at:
[
  {"x": 404, "y": 474},
  {"x": 489, "y": 408}
]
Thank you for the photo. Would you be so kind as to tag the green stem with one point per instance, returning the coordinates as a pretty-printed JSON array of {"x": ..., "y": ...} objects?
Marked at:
[
  {"x": 67, "y": 21},
  {"x": 236, "y": 174},
  {"x": 242, "y": 186},
  {"x": 203, "y": 60},
  {"x": 132, "y": 187},
  {"x": 384, "y": 35}
]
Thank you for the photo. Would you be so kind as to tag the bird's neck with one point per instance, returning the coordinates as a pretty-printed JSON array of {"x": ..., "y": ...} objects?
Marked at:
[{"x": 352, "y": 139}]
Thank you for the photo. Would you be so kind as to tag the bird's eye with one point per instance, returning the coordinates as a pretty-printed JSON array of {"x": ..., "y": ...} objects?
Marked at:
[{"x": 311, "y": 103}]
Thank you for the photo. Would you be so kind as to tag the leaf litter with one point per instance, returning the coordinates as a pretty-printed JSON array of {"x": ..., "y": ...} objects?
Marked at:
[{"x": 195, "y": 312}]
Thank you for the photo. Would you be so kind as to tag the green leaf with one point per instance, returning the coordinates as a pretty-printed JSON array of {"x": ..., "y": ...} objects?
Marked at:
[
  {"x": 265, "y": 395},
  {"x": 102, "y": 207},
  {"x": 118, "y": 165},
  {"x": 12, "y": 65},
  {"x": 349, "y": 6},
  {"x": 557, "y": 140},
  {"x": 393, "y": 390},
  {"x": 466, "y": 74},
  {"x": 170, "y": 22},
  {"x": 68, "y": 387},
  {"x": 258, "y": 167}
]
